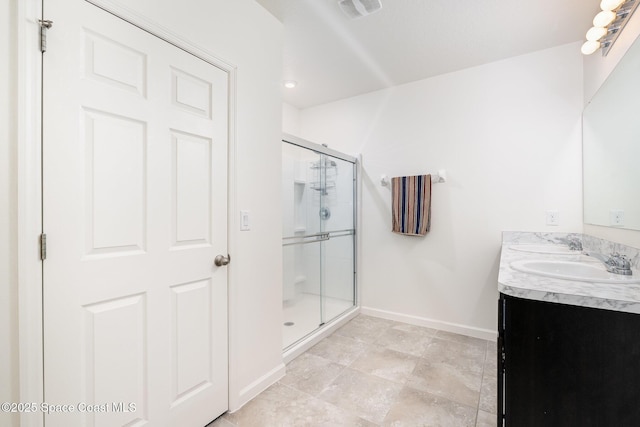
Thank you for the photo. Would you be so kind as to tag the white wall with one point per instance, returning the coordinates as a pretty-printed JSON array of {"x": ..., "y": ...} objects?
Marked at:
[
  {"x": 290, "y": 119},
  {"x": 243, "y": 34},
  {"x": 8, "y": 215},
  {"x": 508, "y": 134},
  {"x": 596, "y": 69}
]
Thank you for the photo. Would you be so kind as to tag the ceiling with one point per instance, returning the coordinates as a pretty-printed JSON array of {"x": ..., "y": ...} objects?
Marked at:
[{"x": 333, "y": 57}]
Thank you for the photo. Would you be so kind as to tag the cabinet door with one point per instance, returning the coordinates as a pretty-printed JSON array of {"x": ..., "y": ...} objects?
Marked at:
[{"x": 568, "y": 365}]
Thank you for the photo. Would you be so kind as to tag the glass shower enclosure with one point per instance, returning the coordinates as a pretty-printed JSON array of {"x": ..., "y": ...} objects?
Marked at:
[{"x": 318, "y": 241}]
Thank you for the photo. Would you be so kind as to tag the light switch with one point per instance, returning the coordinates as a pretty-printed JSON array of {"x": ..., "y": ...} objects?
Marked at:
[{"x": 244, "y": 221}]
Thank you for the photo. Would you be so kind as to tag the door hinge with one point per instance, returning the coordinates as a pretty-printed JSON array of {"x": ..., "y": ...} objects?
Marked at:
[
  {"x": 44, "y": 26},
  {"x": 43, "y": 246}
]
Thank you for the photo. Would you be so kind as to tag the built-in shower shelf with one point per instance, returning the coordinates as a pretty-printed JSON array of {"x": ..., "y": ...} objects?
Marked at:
[
  {"x": 320, "y": 186},
  {"x": 325, "y": 166},
  {"x": 300, "y": 229},
  {"x": 300, "y": 182}
]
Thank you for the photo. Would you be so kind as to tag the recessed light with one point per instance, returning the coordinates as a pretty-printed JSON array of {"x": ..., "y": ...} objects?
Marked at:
[{"x": 289, "y": 84}]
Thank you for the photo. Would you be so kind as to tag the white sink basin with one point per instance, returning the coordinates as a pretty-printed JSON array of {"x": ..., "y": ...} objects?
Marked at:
[
  {"x": 568, "y": 270},
  {"x": 545, "y": 249}
]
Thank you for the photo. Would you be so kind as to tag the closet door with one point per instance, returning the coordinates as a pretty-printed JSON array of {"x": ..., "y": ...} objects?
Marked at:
[{"x": 135, "y": 203}]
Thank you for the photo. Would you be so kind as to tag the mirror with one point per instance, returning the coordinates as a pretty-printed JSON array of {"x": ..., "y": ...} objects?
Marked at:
[{"x": 611, "y": 147}]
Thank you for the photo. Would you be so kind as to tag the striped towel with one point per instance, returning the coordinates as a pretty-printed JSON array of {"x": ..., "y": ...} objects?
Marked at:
[{"x": 411, "y": 204}]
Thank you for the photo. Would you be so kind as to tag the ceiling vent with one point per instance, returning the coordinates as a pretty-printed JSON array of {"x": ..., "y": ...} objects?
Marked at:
[{"x": 358, "y": 8}]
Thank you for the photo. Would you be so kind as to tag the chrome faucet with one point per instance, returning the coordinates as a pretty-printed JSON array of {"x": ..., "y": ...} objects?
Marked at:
[{"x": 615, "y": 263}]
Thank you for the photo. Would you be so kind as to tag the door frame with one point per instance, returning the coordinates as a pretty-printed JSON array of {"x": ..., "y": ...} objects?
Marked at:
[{"x": 30, "y": 352}]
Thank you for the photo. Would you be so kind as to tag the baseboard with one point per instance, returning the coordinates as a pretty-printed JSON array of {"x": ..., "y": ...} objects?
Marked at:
[
  {"x": 486, "y": 334},
  {"x": 257, "y": 387}
]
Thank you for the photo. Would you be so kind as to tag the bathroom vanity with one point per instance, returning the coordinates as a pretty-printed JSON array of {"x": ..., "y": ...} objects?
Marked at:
[{"x": 568, "y": 350}]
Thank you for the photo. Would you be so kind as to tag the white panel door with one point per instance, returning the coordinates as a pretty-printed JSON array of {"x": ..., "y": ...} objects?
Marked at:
[{"x": 135, "y": 211}]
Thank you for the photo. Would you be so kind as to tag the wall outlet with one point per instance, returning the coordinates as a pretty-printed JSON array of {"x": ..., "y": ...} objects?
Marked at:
[
  {"x": 616, "y": 217},
  {"x": 553, "y": 218}
]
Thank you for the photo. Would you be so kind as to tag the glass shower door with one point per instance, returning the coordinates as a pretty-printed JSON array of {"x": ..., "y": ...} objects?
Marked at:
[
  {"x": 318, "y": 239},
  {"x": 337, "y": 253},
  {"x": 300, "y": 245}
]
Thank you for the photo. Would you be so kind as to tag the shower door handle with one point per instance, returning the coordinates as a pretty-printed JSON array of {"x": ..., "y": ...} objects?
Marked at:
[
  {"x": 221, "y": 260},
  {"x": 302, "y": 240}
]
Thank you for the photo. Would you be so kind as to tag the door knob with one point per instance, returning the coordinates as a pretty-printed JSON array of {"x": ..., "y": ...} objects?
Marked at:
[{"x": 221, "y": 260}]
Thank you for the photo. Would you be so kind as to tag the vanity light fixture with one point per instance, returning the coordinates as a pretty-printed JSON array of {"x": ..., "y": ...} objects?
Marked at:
[
  {"x": 596, "y": 33},
  {"x": 608, "y": 24},
  {"x": 611, "y": 4},
  {"x": 604, "y": 18}
]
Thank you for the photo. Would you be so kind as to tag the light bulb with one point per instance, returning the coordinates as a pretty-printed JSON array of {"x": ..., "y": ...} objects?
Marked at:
[
  {"x": 611, "y": 4},
  {"x": 604, "y": 18},
  {"x": 596, "y": 33},
  {"x": 589, "y": 47},
  {"x": 290, "y": 84}
]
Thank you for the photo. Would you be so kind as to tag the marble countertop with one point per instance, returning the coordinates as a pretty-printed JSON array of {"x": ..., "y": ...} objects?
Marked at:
[{"x": 609, "y": 296}]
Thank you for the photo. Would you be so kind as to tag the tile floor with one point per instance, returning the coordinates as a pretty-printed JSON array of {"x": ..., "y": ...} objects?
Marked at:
[{"x": 376, "y": 372}]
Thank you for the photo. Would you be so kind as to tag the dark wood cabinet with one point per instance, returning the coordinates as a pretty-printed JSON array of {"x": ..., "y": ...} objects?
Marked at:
[{"x": 564, "y": 365}]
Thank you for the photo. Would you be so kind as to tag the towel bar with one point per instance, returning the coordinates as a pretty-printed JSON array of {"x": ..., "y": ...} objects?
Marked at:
[{"x": 436, "y": 178}]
